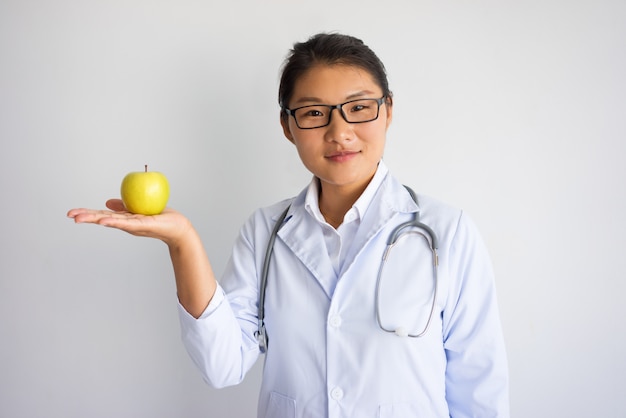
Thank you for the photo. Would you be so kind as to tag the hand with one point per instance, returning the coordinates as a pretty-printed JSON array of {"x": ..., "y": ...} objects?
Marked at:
[
  {"x": 170, "y": 226},
  {"x": 195, "y": 281}
]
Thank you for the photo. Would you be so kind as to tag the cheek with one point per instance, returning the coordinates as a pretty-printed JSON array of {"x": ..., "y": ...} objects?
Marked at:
[
  {"x": 305, "y": 148},
  {"x": 375, "y": 134}
]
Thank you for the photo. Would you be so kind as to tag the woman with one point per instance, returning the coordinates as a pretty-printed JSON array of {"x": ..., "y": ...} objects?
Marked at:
[{"x": 326, "y": 309}]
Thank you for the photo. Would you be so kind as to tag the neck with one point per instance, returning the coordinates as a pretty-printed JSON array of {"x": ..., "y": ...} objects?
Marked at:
[
  {"x": 335, "y": 202},
  {"x": 334, "y": 222}
]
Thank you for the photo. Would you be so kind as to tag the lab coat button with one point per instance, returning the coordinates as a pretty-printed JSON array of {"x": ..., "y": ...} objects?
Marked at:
[
  {"x": 335, "y": 321},
  {"x": 336, "y": 394}
]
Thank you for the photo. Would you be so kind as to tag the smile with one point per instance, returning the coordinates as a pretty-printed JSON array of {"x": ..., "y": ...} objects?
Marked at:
[{"x": 342, "y": 156}]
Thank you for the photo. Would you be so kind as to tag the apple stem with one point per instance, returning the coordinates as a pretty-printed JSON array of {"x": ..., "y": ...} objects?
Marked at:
[{"x": 146, "y": 167}]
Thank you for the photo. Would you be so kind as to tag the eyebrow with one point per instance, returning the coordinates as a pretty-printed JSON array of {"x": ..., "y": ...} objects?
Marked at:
[{"x": 317, "y": 100}]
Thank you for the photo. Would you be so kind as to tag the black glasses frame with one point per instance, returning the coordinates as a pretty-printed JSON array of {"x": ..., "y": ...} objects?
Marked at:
[{"x": 292, "y": 112}]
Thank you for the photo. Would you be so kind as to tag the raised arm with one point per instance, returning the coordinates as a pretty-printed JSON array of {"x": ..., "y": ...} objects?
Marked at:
[{"x": 195, "y": 281}]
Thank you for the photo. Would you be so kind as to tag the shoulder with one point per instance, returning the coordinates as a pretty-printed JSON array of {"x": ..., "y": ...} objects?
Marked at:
[
  {"x": 451, "y": 221},
  {"x": 272, "y": 212},
  {"x": 433, "y": 208},
  {"x": 263, "y": 219},
  {"x": 398, "y": 196}
]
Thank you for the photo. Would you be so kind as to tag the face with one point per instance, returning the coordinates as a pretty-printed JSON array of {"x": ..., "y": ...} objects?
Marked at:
[{"x": 342, "y": 154}]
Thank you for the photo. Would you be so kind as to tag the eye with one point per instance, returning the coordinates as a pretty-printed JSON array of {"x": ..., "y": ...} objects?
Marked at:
[
  {"x": 359, "y": 106},
  {"x": 311, "y": 112}
]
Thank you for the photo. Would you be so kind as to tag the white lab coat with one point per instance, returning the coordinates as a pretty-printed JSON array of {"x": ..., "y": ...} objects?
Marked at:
[{"x": 327, "y": 356}]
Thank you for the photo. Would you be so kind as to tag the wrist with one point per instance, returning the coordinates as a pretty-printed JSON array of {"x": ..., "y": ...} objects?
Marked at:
[{"x": 183, "y": 234}]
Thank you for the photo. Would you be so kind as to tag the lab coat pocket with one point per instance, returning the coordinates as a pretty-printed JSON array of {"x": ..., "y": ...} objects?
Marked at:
[{"x": 280, "y": 406}]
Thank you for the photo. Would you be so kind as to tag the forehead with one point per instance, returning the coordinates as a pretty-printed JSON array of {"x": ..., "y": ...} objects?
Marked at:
[{"x": 333, "y": 83}]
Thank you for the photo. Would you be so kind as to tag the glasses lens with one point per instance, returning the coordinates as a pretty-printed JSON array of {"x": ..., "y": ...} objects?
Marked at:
[
  {"x": 363, "y": 110},
  {"x": 355, "y": 111},
  {"x": 312, "y": 116}
]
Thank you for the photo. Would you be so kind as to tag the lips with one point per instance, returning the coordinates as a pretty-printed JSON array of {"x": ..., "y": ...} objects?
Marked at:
[{"x": 341, "y": 156}]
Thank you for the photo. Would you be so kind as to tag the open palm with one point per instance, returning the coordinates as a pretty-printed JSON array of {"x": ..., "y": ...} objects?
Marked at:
[{"x": 167, "y": 226}]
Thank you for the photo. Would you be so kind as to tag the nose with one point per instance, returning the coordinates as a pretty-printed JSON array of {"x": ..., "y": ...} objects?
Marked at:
[{"x": 338, "y": 128}]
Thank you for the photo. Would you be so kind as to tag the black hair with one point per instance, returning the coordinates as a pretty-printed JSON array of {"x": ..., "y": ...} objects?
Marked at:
[{"x": 329, "y": 49}]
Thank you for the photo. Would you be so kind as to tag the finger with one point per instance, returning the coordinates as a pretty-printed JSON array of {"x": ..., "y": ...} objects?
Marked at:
[
  {"x": 89, "y": 215},
  {"x": 73, "y": 212},
  {"x": 113, "y": 204},
  {"x": 116, "y": 205}
]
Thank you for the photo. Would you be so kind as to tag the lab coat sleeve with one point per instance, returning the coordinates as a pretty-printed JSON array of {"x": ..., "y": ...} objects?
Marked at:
[
  {"x": 477, "y": 371},
  {"x": 221, "y": 341}
]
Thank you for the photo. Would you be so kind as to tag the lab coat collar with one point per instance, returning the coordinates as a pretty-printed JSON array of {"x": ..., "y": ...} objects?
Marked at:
[
  {"x": 390, "y": 199},
  {"x": 311, "y": 199},
  {"x": 304, "y": 237},
  {"x": 301, "y": 232}
]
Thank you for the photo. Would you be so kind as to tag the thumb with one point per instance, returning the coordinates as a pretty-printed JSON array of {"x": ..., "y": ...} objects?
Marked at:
[{"x": 116, "y": 205}]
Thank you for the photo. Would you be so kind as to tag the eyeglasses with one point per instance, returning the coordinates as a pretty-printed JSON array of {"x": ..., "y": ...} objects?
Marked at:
[{"x": 353, "y": 111}]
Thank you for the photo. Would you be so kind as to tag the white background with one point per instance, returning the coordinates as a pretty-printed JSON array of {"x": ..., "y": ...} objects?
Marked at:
[{"x": 514, "y": 111}]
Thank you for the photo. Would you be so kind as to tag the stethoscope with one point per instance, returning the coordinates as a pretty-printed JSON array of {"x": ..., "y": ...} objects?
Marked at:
[{"x": 414, "y": 226}]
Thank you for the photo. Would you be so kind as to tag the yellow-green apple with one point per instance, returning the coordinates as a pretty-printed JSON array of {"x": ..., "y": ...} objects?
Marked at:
[{"x": 145, "y": 192}]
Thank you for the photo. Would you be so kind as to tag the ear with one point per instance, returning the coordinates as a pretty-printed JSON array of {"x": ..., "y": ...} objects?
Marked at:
[
  {"x": 284, "y": 122},
  {"x": 389, "y": 109}
]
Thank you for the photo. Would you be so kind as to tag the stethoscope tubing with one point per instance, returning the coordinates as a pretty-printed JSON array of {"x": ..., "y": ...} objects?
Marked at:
[
  {"x": 261, "y": 333},
  {"x": 394, "y": 237},
  {"x": 396, "y": 234}
]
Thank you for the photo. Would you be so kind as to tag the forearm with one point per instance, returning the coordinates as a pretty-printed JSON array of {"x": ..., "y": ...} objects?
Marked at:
[{"x": 195, "y": 281}]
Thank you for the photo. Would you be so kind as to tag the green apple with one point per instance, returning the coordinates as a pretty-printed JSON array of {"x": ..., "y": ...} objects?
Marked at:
[{"x": 145, "y": 192}]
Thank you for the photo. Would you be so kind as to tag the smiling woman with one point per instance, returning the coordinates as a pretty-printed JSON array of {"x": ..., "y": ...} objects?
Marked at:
[
  {"x": 334, "y": 346},
  {"x": 343, "y": 153}
]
